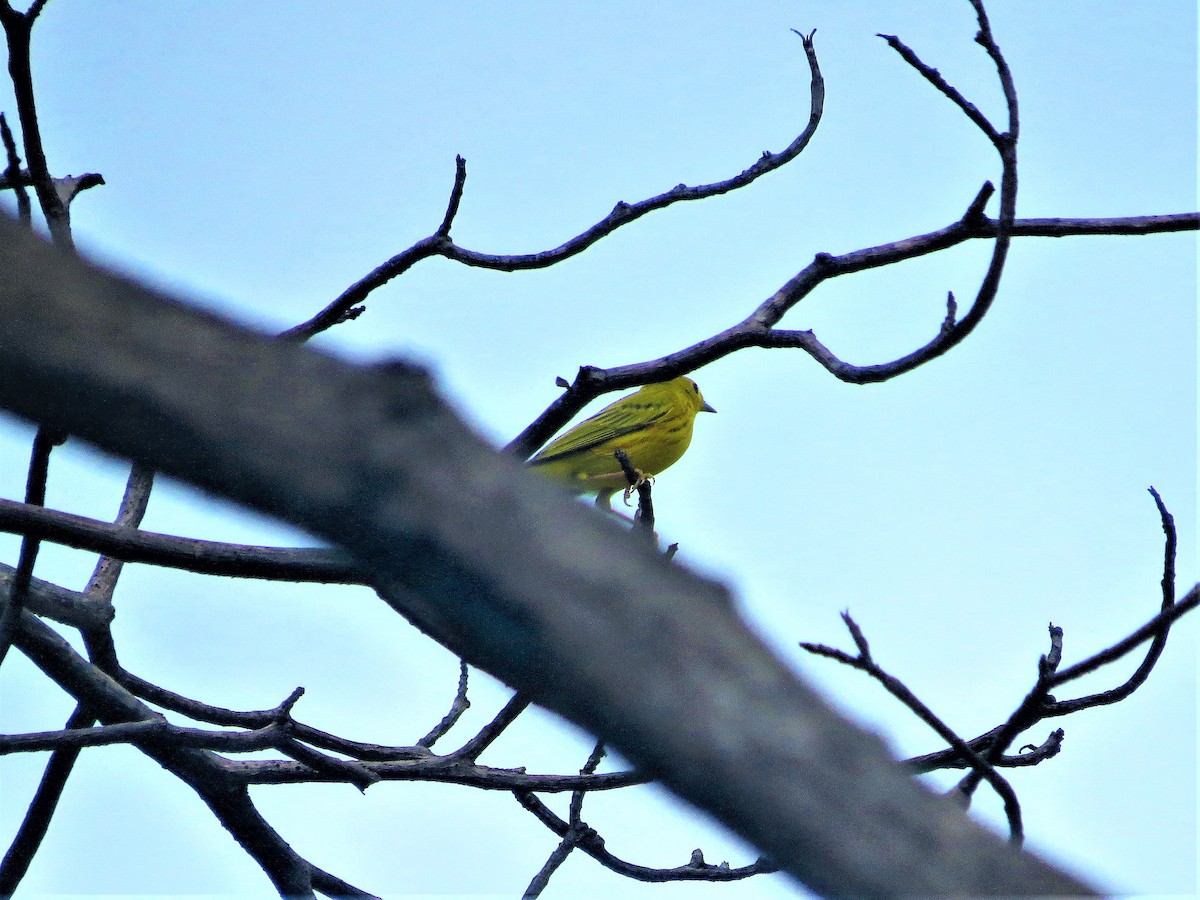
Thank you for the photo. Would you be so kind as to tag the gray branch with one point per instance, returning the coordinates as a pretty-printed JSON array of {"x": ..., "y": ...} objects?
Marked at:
[{"x": 494, "y": 563}]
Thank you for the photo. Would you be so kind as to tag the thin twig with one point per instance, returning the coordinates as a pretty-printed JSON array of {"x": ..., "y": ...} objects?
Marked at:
[
  {"x": 1153, "y": 629},
  {"x": 934, "y": 77},
  {"x": 1138, "y": 678},
  {"x": 44, "y": 442},
  {"x": 516, "y": 705},
  {"x": 593, "y": 845},
  {"x": 557, "y": 857},
  {"x": 134, "y": 502},
  {"x": 41, "y": 809},
  {"x": 456, "y": 194},
  {"x": 460, "y": 705},
  {"x": 12, "y": 174}
]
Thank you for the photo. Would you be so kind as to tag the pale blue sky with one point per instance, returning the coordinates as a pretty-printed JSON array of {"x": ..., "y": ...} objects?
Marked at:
[{"x": 262, "y": 157}]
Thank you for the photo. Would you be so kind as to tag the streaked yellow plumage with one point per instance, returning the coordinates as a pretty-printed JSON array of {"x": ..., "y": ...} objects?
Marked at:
[{"x": 652, "y": 425}]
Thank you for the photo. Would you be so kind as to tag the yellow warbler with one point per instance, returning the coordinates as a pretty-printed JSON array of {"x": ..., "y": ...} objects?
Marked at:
[{"x": 652, "y": 425}]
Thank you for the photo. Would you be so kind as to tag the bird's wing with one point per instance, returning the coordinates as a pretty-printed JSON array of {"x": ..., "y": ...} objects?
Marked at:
[{"x": 606, "y": 426}]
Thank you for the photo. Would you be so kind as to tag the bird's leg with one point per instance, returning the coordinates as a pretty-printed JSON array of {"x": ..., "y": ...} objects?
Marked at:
[{"x": 604, "y": 502}]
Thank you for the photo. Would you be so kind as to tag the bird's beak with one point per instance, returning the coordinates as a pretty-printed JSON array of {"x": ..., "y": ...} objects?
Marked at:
[{"x": 707, "y": 408}]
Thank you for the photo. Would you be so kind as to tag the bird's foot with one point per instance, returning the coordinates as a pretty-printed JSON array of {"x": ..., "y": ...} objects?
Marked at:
[{"x": 642, "y": 478}]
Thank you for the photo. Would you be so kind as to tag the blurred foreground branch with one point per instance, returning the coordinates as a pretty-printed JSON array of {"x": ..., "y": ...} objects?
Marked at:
[{"x": 580, "y": 616}]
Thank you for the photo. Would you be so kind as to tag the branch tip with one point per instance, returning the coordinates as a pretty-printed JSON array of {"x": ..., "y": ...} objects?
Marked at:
[{"x": 860, "y": 640}]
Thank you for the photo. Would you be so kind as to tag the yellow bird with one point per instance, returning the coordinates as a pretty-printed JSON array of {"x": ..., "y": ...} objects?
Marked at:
[{"x": 652, "y": 425}]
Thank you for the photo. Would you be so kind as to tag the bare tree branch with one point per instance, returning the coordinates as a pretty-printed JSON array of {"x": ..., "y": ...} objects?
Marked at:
[
  {"x": 35, "y": 495},
  {"x": 440, "y": 244},
  {"x": 487, "y": 735},
  {"x": 576, "y": 833},
  {"x": 434, "y": 770},
  {"x": 865, "y": 662},
  {"x": 216, "y": 715},
  {"x": 577, "y": 829},
  {"x": 224, "y": 794},
  {"x": 1155, "y": 631},
  {"x": 587, "y": 840},
  {"x": 42, "y": 807},
  {"x": 129, "y": 544},
  {"x": 11, "y": 176},
  {"x": 1038, "y": 705},
  {"x": 460, "y": 705},
  {"x": 758, "y": 329},
  {"x": 17, "y": 32},
  {"x": 1138, "y": 678}
]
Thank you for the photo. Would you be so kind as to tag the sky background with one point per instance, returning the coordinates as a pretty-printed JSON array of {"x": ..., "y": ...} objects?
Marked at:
[{"x": 261, "y": 157}]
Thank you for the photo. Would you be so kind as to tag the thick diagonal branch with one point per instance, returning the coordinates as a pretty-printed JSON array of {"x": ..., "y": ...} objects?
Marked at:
[{"x": 495, "y": 564}]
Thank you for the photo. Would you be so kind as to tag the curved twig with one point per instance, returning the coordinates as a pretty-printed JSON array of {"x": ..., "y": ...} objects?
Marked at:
[
  {"x": 592, "y": 844},
  {"x": 1138, "y": 678},
  {"x": 440, "y": 244},
  {"x": 460, "y": 705}
]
